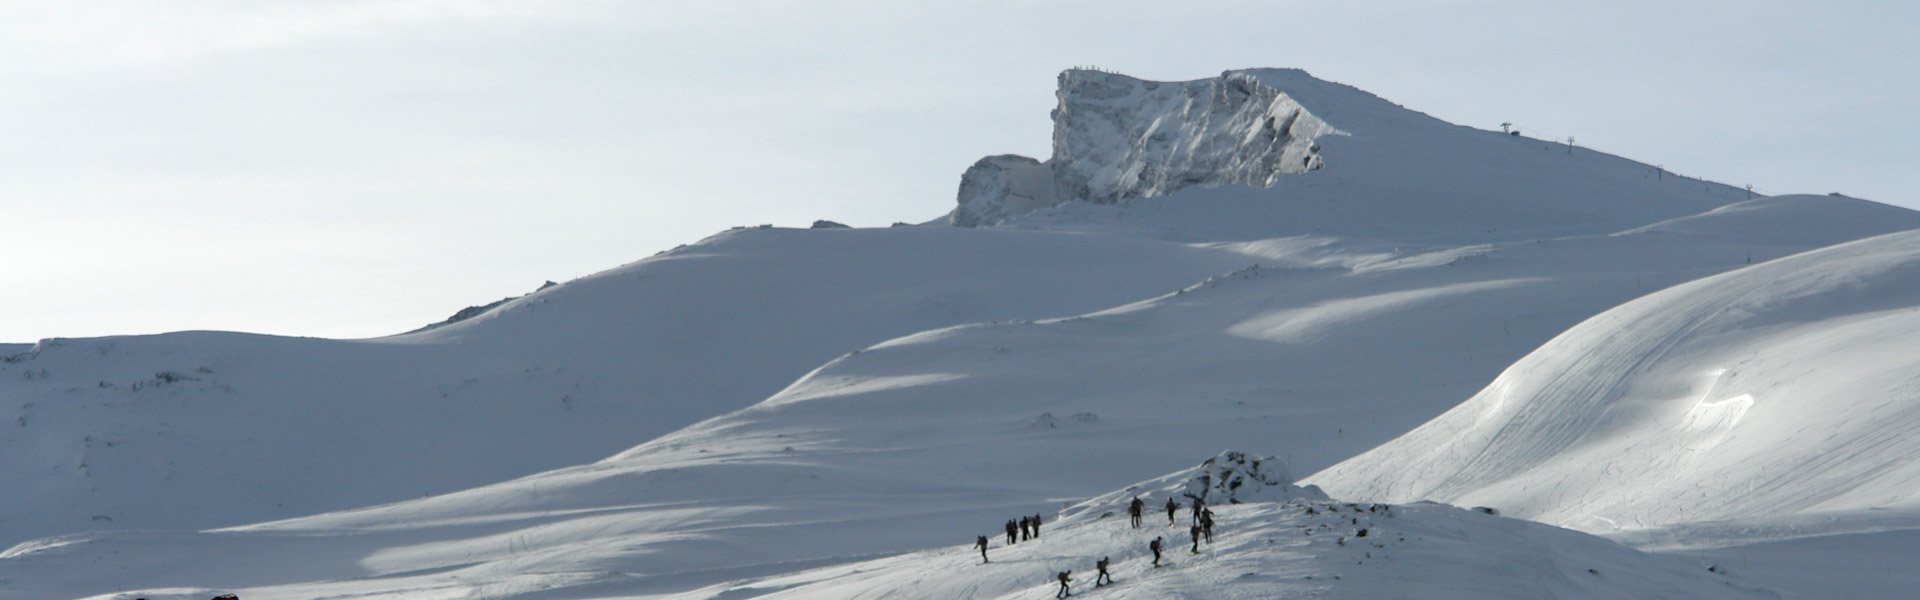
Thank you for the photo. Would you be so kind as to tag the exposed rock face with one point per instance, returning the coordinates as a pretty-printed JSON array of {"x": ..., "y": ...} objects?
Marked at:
[
  {"x": 998, "y": 187},
  {"x": 1117, "y": 138}
]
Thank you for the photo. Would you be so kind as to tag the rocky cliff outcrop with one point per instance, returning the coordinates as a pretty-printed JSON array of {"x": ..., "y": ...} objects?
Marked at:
[{"x": 1117, "y": 138}]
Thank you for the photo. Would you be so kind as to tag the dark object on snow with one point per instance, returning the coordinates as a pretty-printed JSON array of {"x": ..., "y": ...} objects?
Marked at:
[
  {"x": 1063, "y": 577},
  {"x": 1036, "y": 526},
  {"x": 475, "y": 311},
  {"x": 226, "y": 597},
  {"x": 1103, "y": 578},
  {"x": 1361, "y": 533},
  {"x": 1172, "y": 507},
  {"x": 825, "y": 224},
  {"x": 1206, "y": 524},
  {"x": 1486, "y": 509},
  {"x": 1155, "y": 547},
  {"x": 1133, "y": 511},
  {"x": 1026, "y": 528},
  {"x": 1195, "y": 532},
  {"x": 1013, "y": 533},
  {"x": 982, "y": 545}
]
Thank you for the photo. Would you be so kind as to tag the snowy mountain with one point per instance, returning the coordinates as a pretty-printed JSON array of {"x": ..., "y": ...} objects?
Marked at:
[{"x": 826, "y": 413}]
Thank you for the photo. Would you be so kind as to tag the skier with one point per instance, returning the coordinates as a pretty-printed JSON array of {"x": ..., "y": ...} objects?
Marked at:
[
  {"x": 1155, "y": 547},
  {"x": 1133, "y": 511},
  {"x": 1195, "y": 532},
  {"x": 1199, "y": 505},
  {"x": 982, "y": 545},
  {"x": 1064, "y": 592},
  {"x": 1036, "y": 526},
  {"x": 1026, "y": 528},
  {"x": 1103, "y": 578},
  {"x": 1206, "y": 525},
  {"x": 1172, "y": 508},
  {"x": 1012, "y": 533}
]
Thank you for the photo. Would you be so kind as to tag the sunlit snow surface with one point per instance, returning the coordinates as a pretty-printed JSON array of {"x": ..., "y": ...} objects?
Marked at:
[{"x": 822, "y": 399}]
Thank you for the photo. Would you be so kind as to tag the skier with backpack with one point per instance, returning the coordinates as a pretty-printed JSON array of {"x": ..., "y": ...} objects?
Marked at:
[
  {"x": 1063, "y": 577},
  {"x": 1133, "y": 511},
  {"x": 1103, "y": 578},
  {"x": 1155, "y": 547},
  {"x": 982, "y": 545}
]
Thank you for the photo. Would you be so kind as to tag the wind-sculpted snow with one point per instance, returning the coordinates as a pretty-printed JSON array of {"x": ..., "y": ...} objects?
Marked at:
[{"x": 1776, "y": 391}]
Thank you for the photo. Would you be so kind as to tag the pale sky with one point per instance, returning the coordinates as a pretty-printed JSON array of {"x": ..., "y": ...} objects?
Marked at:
[{"x": 352, "y": 169}]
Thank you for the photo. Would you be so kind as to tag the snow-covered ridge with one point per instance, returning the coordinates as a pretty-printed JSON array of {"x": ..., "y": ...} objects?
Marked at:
[
  {"x": 1116, "y": 138},
  {"x": 1295, "y": 544}
]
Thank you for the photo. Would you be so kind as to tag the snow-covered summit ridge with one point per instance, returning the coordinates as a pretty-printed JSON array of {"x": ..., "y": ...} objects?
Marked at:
[{"x": 1117, "y": 138}]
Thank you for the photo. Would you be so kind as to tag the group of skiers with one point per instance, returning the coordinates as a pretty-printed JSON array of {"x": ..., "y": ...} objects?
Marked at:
[{"x": 1029, "y": 528}]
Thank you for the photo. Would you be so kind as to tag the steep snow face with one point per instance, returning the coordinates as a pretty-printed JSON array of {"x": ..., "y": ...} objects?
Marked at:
[
  {"x": 1116, "y": 138},
  {"x": 1782, "y": 390}
]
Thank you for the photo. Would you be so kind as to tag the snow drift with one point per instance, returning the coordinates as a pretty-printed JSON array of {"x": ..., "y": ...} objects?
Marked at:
[{"x": 1774, "y": 392}]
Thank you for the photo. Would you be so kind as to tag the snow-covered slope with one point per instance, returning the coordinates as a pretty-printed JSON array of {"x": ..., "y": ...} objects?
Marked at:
[
  {"x": 1330, "y": 348},
  {"x": 1274, "y": 550},
  {"x": 1271, "y": 540},
  {"x": 1778, "y": 391},
  {"x": 203, "y": 429}
]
